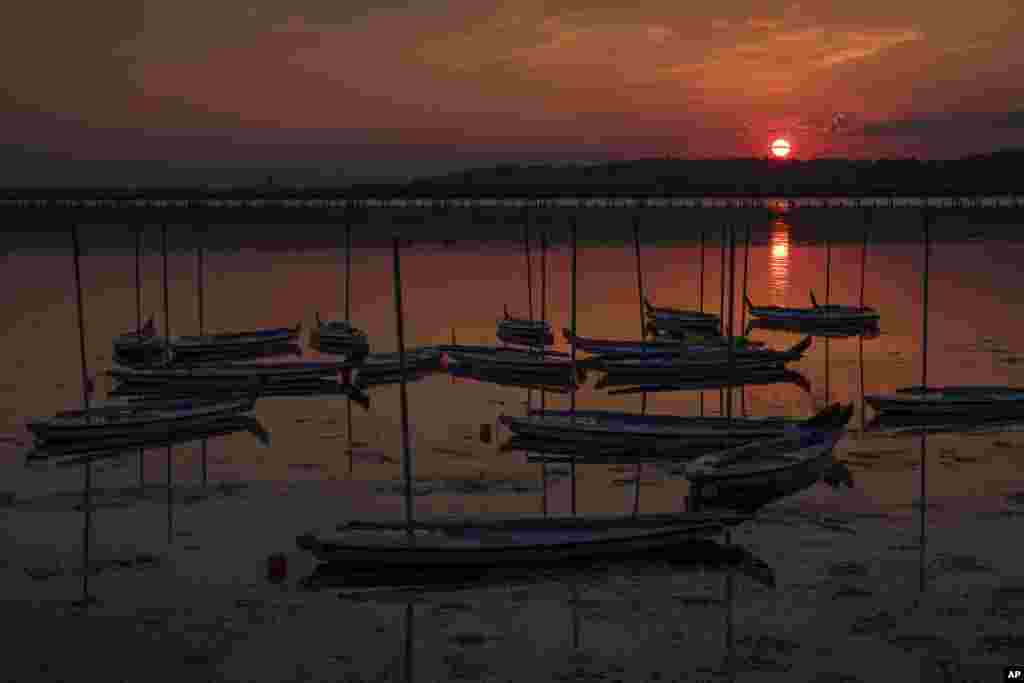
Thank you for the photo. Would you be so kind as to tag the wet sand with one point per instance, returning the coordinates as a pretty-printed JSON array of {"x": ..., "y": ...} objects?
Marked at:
[{"x": 846, "y": 604}]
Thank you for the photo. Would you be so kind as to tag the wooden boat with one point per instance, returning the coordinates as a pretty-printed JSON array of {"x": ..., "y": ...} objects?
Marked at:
[
  {"x": 831, "y": 314},
  {"x": 771, "y": 462},
  {"x": 234, "y": 373},
  {"x": 626, "y": 428},
  {"x": 338, "y": 336},
  {"x": 952, "y": 400},
  {"x": 757, "y": 377},
  {"x": 145, "y": 347},
  {"x": 512, "y": 378},
  {"x": 314, "y": 387},
  {"x": 427, "y": 358},
  {"x": 77, "y": 451},
  {"x": 128, "y": 418},
  {"x": 524, "y": 361},
  {"x": 524, "y": 541},
  {"x": 708, "y": 361},
  {"x": 526, "y": 337},
  {"x": 681, "y": 317},
  {"x": 614, "y": 347},
  {"x": 677, "y": 333},
  {"x": 493, "y": 350}
]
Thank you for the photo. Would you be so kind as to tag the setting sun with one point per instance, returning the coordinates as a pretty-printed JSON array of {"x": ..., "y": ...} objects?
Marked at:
[{"x": 781, "y": 148}]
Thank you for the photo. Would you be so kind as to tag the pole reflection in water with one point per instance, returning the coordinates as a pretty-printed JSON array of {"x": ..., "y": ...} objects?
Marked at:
[{"x": 778, "y": 265}]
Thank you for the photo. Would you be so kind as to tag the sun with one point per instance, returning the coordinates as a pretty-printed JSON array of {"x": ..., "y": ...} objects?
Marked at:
[{"x": 781, "y": 148}]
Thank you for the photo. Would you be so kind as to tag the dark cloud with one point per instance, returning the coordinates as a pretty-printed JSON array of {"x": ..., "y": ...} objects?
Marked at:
[{"x": 944, "y": 123}]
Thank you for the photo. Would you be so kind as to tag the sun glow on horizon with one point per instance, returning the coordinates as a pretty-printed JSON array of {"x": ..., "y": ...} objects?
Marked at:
[{"x": 781, "y": 148}]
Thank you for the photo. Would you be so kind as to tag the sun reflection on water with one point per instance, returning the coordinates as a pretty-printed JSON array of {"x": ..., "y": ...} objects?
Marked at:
[{"x": 779, "y": 261}]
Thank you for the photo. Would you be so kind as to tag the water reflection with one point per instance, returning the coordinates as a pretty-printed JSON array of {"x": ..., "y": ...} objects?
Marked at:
[{"x": 778, "y": 266}]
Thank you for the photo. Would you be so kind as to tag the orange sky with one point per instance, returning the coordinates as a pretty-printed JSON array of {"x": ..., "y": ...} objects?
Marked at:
[{"x": 475, "y": 82}]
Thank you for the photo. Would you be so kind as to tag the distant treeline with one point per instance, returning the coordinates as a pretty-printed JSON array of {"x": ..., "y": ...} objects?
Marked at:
[{"x": 990, "y": 174}]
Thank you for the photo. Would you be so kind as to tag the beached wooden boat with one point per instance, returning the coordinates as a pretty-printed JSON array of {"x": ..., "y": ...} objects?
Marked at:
[
  {"x": 626, "y": 428},
  {"x": 952, "y": 400},
  {"x": 522, "y": 541},
  {"x": 234, "y": 373},
  {"x": 304, "y": 387},
  {"x": 771, "y": 462},
  {"x": 942, "y": 424},
  {"x": 686, "y": 318},
  {"x": 145, "y": 347},
  {"x": 80, "y": 450},
  {"x": 338, "y": 336},
  {"x": 705, "y": 362},
  {"x": 533, "y": 363},
  {"x": 427, "y": 358},
  {"x": 831, "y": 314},
  {"x": 525, "y": 338},
  {"x": 615, "y": 347},
  {"x": 494, "y": 350},
  {"x": 627, "y": 384},
  {"x": 137, "y": 417},
  {"x": 525, "y": 379}
]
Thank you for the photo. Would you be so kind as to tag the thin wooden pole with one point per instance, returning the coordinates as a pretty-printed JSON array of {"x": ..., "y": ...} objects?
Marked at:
[
  {"x": 924, "y": 383},
  {"x": 702, "y": 270},
  {"x": 732, "y": 303},
  {"x": 348, "y": 270},
  {"x": 864, "y": 254},
  {"x": 403, "y": 397},
  {"x": 544, "y": 316},
  {"x": 643, "y": 335},
  {"x": 721, "y": 311},
  {"x": 746, "y": 279},
  {"x": 700, "y": 394},
  {"x": 923, "y": 530},
  {"x": 200, "y": 280},
  {"x": 529, "y": 263},
  {"x": 743, "y": 310},
  {"x": 924, "y": 305},
  {"x": 86, "y": 392},
  {"x": 572, "y": 346},
  {"x": 138, "y": 328},
  {"x": 167, "y": 332},
  {"x": 721, "y": 301},
  {"x": 828, "y": 270},
  {"x": 409, "y": 641}
]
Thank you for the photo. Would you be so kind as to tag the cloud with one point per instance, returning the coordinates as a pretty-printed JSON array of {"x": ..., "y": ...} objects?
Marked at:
[{"x": 944, "y": 124}]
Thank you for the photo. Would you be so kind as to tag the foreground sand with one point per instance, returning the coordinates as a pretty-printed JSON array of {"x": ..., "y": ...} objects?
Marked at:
[{"x": 846, "y": 604}]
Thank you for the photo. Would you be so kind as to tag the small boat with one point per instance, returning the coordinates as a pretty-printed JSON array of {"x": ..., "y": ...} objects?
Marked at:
[
  {"x": 427, "y": 358},
  {"x": 338, "y": 336},
  {"x": 944, "y": 424},
  {"x": 972, "y": 401},
  {"x": 655, "y": 346},
  {"x": 524, "y": 379},
  {"x": 630, "y": 428},
  {"x": 707, "y": 361},
  {"x": 234, "y": 373},
  {"x": 307, "y": 387},
  {"x": 77, "y": 451},
  {"x": 831, "y": 314},
  {"x": 769, "y": 463},
  {"x": 493, "y": 350},
  {"x": 526, "y": 362},
  {"x": 525, "y": 541},
  {"x": 675, "y": 317},
  {"x": 526, "y": 338},
  {"x": 132, "y": 418},
  {"x": 144, "y": 347}
]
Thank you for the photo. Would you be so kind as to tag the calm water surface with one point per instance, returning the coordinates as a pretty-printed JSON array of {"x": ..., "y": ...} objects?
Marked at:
[{"x": 461, "y": 288}]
